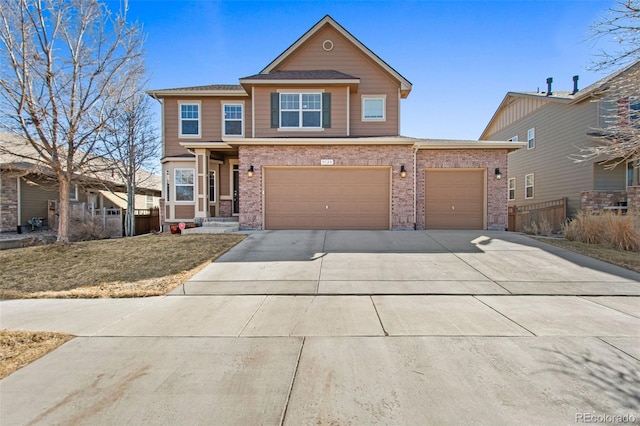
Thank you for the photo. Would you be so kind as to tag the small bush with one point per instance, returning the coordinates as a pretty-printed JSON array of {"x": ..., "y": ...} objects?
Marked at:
[
  {"x": 87, "y": 230},
  {"x": 621, "y": 232}
]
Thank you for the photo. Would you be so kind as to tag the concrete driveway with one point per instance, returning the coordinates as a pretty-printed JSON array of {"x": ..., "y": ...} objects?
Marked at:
[{"x": 340, "y": 327}]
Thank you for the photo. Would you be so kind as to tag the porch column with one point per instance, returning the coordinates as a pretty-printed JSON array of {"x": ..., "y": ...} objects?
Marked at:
[{"x": 202, "y": 182}]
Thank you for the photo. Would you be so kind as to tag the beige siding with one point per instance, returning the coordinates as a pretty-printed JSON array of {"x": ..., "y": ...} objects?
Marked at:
[
  {"x": 34, "y": 197},
  {"x": 559, "y": 128},
  {"x": 338, "y": 113},
  {"x": 607, "y": 180},
  {"x": 210, "y": 121},
  {"x": 516, "y": 110},
  {"x": 346, "y": 58}
]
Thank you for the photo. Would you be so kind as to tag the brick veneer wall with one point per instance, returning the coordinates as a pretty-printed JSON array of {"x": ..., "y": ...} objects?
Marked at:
[
  {"x": 633, "y": 200},
  {"x": 380, "y": 155},
  {"x": 8, "y": 203},
  {"x": 497, "y": 210},
  {"x": 596, "y": 200}
]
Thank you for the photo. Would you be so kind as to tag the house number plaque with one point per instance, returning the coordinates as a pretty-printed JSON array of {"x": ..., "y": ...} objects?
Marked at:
[{"x": 326, "y": 162}]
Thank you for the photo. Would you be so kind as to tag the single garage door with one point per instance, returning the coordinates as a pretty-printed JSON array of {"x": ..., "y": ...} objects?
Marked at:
[
  {"x": 327, "y": 198},
  {"x": 454, "y": 199}
]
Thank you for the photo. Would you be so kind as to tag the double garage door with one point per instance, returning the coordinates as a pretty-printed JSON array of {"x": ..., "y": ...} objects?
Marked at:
[{"x": 327, "y": 197}]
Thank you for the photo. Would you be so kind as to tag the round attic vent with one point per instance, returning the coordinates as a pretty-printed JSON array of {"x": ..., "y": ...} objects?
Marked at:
[{"x": 327, "y": 45}]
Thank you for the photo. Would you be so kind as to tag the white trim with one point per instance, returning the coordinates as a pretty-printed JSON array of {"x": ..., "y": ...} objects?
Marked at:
[
  {"x": 327, "y": 45},
  {"x": 531, "y": 141},
  {"x": 364, "y": 98},
  {"x": 188, "y": 136},
  {"x": 175, "y": 185},
  {"x": 223, "y": 104},
  {"x": 532, "y": 186},
  {"x": 233, "y": 162},
  {"x": 75, "y": 192},
  {"x": 509, "y": 189},
  {"x": 300, "y": 110}
]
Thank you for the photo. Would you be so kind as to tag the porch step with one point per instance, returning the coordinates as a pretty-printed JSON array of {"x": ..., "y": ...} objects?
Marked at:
[{"x": 215, "y": 225}]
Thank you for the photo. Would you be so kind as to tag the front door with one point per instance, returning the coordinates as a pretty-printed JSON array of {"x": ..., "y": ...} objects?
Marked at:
[{"x": 236, "y": 190}]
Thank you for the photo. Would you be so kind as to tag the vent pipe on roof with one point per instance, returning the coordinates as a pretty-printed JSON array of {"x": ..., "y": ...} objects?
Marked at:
[
  {"x": 549, "y": 81},
  {"x": 575, "y": 84}
]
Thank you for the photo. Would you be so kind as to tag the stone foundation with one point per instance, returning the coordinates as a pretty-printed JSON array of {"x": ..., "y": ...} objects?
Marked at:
[{"x": 8, "y": 203}]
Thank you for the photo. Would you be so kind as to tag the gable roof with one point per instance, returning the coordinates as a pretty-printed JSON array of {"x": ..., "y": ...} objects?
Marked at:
[
  {"x": 570, "y": 98},
  {"x": 405, "y": 85}
]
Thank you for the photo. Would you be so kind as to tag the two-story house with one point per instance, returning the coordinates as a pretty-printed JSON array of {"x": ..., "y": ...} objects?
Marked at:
[
  {"x": 313, "y": 142},
  {"x": 555, "y": 126}
]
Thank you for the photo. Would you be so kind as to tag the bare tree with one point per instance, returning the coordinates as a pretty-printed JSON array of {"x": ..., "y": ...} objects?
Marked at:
[
  {"x": 65, "y": 71},
  {"x": 131, "y": 143},
  {"x": 619, "y": 27},
  {"x": 617, "y": 138}
]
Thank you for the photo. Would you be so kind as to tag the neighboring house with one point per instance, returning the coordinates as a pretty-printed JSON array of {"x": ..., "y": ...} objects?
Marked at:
[
  {"x": 26, "y": 189},
  {"x": 313, "y": 142},
  {"x": 554, "y": 126}
]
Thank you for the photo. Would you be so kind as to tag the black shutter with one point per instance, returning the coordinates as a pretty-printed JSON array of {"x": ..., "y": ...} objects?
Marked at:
[
  {"x": 326, "y": 110},
  {"x": 275, "y": 110}
]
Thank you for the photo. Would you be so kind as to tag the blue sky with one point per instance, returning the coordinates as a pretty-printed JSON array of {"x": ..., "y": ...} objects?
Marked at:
[{"x": 461, "y": 56}]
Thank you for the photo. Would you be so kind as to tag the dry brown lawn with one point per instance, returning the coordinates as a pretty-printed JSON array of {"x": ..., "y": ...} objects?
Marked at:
[
  {"x": 19, "y": 348},
  {"x": 625, "y": 259},
  {"x": 147, "y": 265}
]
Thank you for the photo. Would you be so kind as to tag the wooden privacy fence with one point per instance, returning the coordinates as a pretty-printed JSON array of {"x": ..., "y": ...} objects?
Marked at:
[
  {"x": 147, "y": 220},
  {"x": 549, "y": 214}
]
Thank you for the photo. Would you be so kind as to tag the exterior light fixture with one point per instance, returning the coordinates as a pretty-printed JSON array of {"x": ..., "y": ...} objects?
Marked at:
[
  {"x": 498, "y": 174},
  {"x": 250, "y": 171},
  {"x": 403, "y": 172}
]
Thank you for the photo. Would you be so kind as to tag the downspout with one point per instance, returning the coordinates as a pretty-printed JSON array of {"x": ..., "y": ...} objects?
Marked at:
[{"x": 253, "y": 112}]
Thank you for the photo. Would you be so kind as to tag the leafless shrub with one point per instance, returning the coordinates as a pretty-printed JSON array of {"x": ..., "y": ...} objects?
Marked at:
[{"x": 610, "y": 229}]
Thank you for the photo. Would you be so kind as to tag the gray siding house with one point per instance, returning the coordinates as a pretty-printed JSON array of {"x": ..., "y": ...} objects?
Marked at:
[{"x": 554, "y": 125}]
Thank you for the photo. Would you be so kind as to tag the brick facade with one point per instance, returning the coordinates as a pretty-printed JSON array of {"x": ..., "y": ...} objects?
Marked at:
[
  {"x": 8, "y": 203},
  {"x": 596, "y": 200},
  {"x": 403, "y": 215},
  {"x": 633, "y": 200},
  {"x": 497, "y": 211},
  {"x": 251, "y": 203}
]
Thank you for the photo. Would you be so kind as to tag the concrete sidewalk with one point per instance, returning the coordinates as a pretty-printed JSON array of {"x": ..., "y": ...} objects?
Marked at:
[{"x": 354, "y": 337}]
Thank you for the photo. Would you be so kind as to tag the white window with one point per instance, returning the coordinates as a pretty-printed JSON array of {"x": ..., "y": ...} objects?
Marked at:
[
  {"x": 514, "y": 139},
  {"x": 212, "y": 186},
  {"x": 633, "y": 173},
  {"x": 232, "y": 117},
  {"x": 189, "y": 119},
  {"x": 528, "y": 186},
  {"x": 73, "y": 192},
  {"x": 184, "y": 184},
  {"x": 531, "y": 138},
  {"x": 512, "y": 189},
  {"x": 373, "y": 108},
  {"x": 301, "y": 110},
  {"x": 149, "y": 201}
]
